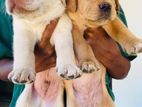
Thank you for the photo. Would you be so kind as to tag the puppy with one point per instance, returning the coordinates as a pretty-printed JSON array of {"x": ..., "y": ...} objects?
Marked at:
[
  {"x": 30, "y": 18},
  {"x": 90, "y": 89},
  {"x": 96, "y": 13}
]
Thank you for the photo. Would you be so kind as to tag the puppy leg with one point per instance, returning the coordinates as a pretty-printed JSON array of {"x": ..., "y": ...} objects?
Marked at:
[
  {"x": 46, "y": 91},
  {"x": 28, "y": 98},
  {"x": 50, "y": 88},
  {"x": 88, "y": 91},
  {"x": 87, "y": 61},
  {"x": 60, "y": 101},
  {"x": 24, "y": 61},
  {"x": 119, "y": 32},
  {"x": 71, "y": 99},
  {"x": 62, "y": 38}
]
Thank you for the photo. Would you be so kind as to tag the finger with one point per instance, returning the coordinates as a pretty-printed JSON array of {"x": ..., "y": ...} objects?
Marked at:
[
  {"x": 45, "y": 40},
  {"x": 89, "y": 36},
  {"x": 48, "y": 51},
  {"x": 43, "y": 62}
]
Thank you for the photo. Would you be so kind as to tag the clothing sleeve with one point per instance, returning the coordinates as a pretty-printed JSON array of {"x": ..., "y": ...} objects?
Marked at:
[
  {"x": 4, "y": 51},
  {"x": 6, "y": 32},
  {"x": 18, "y": 89}
]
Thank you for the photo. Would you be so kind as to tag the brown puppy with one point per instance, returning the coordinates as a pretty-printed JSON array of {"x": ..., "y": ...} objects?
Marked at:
[
  {"x": 94, "y": 13},
  {"x": 90, "y": 89}
]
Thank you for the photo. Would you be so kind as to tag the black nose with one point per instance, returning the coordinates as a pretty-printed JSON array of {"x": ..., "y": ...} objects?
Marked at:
[{"x": 105, "y": 7}]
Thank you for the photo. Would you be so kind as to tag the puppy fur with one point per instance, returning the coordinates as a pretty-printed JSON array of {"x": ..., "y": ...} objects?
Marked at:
[
  {"x": 87, "y": 15},
  {"x": 30, "y": 18},
  {"x": 83, "y": 15}
]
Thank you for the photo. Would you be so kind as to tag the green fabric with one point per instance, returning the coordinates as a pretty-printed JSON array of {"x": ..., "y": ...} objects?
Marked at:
[
  {"x": 123, "y": 52},
  {"x": 6, "y": 34},
  {"x": 5, "y": 46},
  {"x": 17, "y": 91}
]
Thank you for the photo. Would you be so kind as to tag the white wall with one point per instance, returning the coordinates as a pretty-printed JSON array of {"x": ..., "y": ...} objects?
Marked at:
[{"x": 128, "y": 92}]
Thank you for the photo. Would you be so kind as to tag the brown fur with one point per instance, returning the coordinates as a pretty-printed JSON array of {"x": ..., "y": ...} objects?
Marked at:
[{"x": 77, "y": 10}]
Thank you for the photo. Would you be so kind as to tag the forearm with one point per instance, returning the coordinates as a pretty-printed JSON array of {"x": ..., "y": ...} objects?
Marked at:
[{"x": 5, "y": 67}]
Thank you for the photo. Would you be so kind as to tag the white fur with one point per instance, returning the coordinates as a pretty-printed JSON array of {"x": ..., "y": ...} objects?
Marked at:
[
  {"x": 28, "y": 29},
  {"x": 62, "y": 39},
  {"x": 28, "y": 98}
]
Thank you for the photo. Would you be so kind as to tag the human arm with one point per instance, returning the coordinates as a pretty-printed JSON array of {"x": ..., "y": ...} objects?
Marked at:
[
  {"x": 108, "y": 53},
  {"x": 105, "y": 49},
  {"x": 45, "y": 55}
]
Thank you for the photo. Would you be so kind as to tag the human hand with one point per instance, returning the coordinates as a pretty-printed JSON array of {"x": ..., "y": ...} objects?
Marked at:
[
  {"x": 44, "y": 52},
  {"x": 103, "y": 46},
  {"x": 107, "y": 52}
]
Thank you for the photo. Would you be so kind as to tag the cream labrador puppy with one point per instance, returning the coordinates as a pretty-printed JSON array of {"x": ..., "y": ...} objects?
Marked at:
[{"x": 30, "y": 18}]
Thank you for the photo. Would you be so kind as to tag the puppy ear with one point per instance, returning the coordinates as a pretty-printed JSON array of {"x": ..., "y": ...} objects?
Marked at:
[
  {"x": 64, "y": 2},
  {"x": 117, "y": 5},
  {"x": 72, "y": 5}
]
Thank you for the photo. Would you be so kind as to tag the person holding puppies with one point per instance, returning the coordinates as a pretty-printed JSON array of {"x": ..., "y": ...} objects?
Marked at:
[{"x": 106, "y": 52}]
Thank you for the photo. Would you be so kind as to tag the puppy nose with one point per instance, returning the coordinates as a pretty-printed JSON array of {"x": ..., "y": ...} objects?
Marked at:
[{"x": 105, "y": 7}]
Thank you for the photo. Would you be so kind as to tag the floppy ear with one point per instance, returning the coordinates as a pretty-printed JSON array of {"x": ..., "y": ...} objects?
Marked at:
[
  {"x": 117, "y": 5},
  {"x": 72, "y": 5}
]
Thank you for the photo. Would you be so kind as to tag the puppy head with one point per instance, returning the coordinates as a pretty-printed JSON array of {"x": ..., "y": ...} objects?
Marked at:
[
  {"x": 26, "y": 7},
  {"x": 21, "y": 6},
  {"x": 95, "y": 12}
]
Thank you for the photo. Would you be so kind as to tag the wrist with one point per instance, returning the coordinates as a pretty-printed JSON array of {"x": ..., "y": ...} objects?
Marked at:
[{"x": 119, "y": 68}]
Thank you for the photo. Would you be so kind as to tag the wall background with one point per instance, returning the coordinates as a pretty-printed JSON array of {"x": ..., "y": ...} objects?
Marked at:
[{"x": 128, "y": 92}]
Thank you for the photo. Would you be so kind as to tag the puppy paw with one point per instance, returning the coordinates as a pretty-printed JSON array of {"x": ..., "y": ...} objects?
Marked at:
[
  {"x": 89, "y": 66},
  {"x": 22, "y": 76},
  {"x": 135, "y": 47},
  {"x": 69, "y": 71}
]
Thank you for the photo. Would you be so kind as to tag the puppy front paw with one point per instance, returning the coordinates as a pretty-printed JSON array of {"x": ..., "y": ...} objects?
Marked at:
[
  {"x": 22, "y": 76},
  {"x": 89, "y": 66},
  {"x": 134, "y": 47},
  {"x": 69, "y": 71}
]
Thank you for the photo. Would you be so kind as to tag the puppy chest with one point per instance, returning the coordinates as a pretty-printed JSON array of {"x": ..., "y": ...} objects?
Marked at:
[{"x": 38, "y": 30}]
